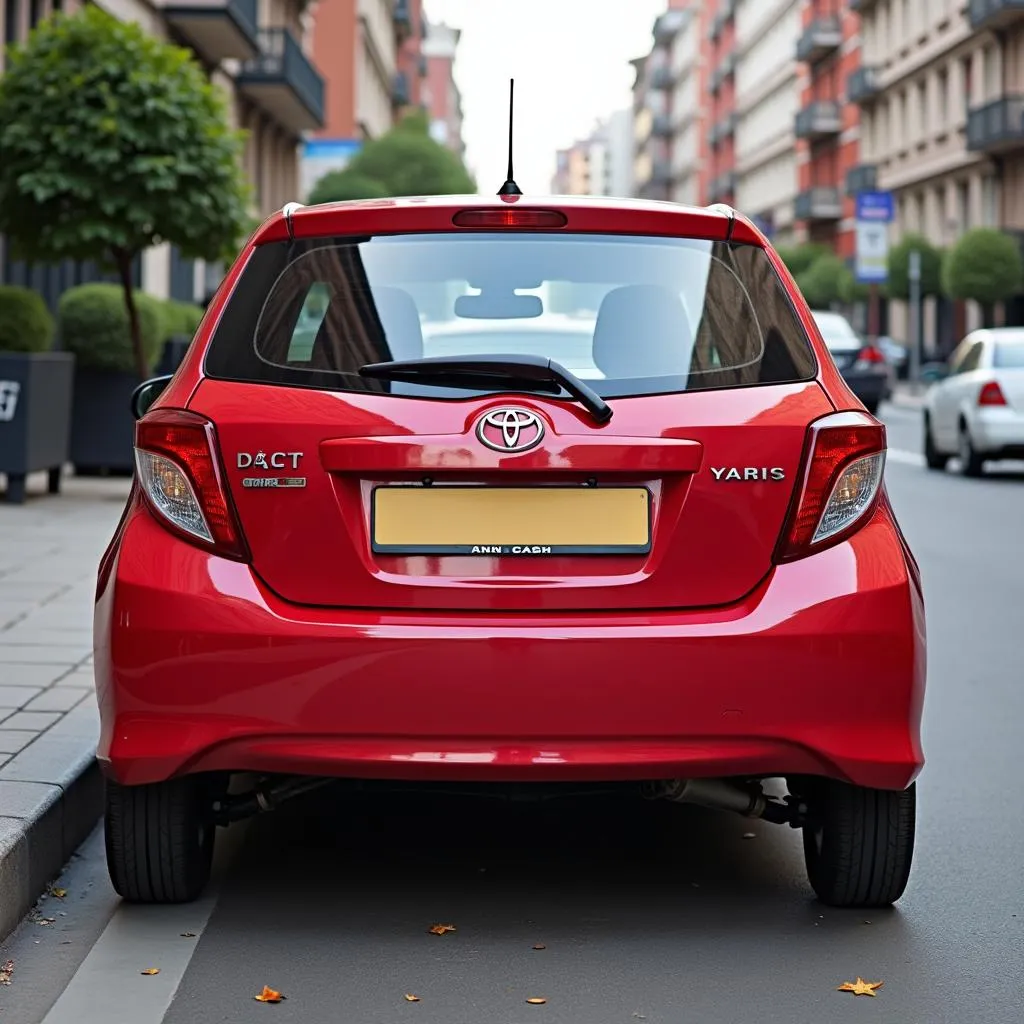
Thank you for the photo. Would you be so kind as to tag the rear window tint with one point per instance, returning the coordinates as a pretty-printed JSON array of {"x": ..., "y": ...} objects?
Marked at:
[{"x": 631, "y": 315}]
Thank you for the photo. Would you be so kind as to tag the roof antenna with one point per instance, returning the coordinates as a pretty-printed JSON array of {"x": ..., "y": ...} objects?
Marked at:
[{"x": 510, "y": 188}]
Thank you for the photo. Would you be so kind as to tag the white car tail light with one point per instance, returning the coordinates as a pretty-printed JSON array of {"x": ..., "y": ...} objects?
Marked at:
[
  {"x": 991, "y": 394},
  {"x": 842, "y": 476},
  {"x": 180, "y": 475}
]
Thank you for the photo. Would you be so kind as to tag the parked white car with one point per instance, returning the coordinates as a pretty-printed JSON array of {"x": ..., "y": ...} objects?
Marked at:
[{"x": 976, "y": 410}]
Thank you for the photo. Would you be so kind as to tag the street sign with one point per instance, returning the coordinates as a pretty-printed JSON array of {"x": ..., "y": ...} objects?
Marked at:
[{"x": 874, "y": 213}]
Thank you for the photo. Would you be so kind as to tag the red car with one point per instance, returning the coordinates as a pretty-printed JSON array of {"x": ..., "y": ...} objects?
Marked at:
[{"x": 571, "y": 495}]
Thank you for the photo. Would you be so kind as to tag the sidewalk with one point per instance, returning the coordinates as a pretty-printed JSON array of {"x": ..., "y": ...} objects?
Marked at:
[
  {"x": 50, "y": 789},
  {"x": 907, "y": 397}
]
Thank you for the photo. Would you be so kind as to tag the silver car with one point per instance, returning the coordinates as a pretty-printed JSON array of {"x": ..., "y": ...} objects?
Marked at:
[{"x": 976, "y": 410}]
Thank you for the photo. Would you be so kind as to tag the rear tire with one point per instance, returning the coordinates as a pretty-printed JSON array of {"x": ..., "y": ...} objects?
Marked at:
[
  {"x": 971, "y": 462},
  {"x": 859, "y": 844},
  {"x": 933, "y": 458},
  {"x": 159, "y": 840}
]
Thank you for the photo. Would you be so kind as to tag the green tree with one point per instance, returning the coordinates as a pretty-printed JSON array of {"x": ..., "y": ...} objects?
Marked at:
[
  {"x": 899, "y": 266},
  {"x": 111, "y": 142},
  {"x": 984, "y": 265},
  {"x": 822, "y": 282},
  {"x": 800, "y": 258},
  {"x": 341, "y": 186},
  {"x": 850, "y": 289}
]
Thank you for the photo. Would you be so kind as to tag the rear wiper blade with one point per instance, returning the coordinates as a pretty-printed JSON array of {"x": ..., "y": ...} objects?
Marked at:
[{"x": 506, "y": 373}]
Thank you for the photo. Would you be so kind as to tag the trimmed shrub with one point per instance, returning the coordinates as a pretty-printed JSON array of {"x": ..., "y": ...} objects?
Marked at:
[
  {"x": 181, "y": 319},
  {"x": 94, "y": 325},
  {"x": 25, "y": 323}
]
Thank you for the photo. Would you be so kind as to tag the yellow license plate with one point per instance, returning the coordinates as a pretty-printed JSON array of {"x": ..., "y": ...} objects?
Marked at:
[{"x": 511, "y": 520}]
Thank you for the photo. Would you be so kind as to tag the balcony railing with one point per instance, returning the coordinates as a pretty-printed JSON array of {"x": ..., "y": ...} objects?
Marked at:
[
  {"x": 400, "y": 89},
  {"x": 421, "y": 65},
  {"x": 994, "y": 13},
  {"x": 722, "y": 187},
  {"x": 661, "y": 172},
  {"x": 862, "y": 84},
  {"x": 722, "y": 71},
  {"x": 661, "y": 77},
  {"x": 661, "y": 125},
  {"x": 996, "y": 126},
  {"x": 215, "y": 29},
  {"x": 862, "y": 178},
  {"x": 283, "y": 80},
  {"x": 860, "y": 6},
  {"x": 402, "y": 17},
  {"x": 819, "y": 120},
  {"x": 821, "y": 203},
  {"x": 821, "y": 37}
]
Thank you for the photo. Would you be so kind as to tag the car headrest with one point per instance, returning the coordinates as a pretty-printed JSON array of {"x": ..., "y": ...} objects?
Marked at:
[
  {"x": 400, "y": 319},
  {"x": 642, "y": 331}
]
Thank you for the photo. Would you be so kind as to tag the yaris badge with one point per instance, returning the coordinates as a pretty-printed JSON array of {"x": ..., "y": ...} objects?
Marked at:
[{"x": 510, "y": 430}]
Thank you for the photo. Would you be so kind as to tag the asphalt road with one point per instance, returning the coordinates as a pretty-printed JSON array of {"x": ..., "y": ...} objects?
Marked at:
[{"x": 646, "y": 912}]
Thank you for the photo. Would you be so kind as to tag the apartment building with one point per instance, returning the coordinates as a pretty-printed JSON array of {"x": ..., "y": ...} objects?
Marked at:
[
  {"x": 941, "y": 92},
  {"x": 599, "y": 165},
  {"x": 721, "y": 84},
  {"x": 258, "y": 52},
  {"x": 441, "y": 95},
  {"x": 688, "y": 118},
  {"x": 826, "y": 125},
  {"x": 767, "y": 101}
]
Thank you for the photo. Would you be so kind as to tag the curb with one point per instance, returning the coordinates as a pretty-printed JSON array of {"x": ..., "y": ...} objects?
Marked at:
[{"x": 44, "y": 820}]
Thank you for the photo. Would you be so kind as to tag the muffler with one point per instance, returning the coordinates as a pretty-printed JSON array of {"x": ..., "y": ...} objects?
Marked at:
[{"x": 720, "y": 796}]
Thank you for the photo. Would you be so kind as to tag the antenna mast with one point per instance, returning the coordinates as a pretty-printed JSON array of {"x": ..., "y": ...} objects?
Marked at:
[{"x": 510, "y": 188}]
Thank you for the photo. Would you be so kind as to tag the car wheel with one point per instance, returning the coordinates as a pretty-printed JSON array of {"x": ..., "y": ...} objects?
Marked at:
[
  {"x": 971, "y": 462},
  {"x": 159, "y": 840},
  {"x": 859, "y": 844},
  {"x": 933, "y": 458}
]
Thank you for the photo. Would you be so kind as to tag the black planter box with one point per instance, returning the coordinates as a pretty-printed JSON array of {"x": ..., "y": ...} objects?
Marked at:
[
  {"x": 35, "y": 416},
  {"x": 102, "y": 426}
]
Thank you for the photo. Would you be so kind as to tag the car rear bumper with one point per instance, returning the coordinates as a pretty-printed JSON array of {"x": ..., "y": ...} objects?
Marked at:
[
  {"x": 999, "y": 431},
  {"x": 820, "y": 671},
  {"x": 870, "y": 386}
]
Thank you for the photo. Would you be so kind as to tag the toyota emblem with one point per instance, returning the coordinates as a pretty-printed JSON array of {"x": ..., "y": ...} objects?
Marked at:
[{"x": 510, "y": 430}]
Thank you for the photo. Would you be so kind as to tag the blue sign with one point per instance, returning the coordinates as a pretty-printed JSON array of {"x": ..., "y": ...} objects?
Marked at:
[
  {"x": 875, "y": 206},
  {"x": 331, "y": 149}
]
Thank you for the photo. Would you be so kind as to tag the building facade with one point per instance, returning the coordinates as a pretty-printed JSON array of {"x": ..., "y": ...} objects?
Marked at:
[
  {"x": 441, "y": 95},
  {"x": 720, "y": 178},
  {"x": 599, "y": 165},
  {"x": 259, "y": 53}
]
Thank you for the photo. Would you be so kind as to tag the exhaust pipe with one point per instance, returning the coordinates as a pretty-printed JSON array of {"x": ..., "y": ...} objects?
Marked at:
[{"x": 720, "y": 796}]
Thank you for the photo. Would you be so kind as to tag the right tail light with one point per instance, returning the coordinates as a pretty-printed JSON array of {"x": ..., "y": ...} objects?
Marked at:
[{"x": 844, "y": 459}]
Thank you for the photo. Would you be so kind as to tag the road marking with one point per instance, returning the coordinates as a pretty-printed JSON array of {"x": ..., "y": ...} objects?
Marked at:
[{"x": 907, "y": 458}]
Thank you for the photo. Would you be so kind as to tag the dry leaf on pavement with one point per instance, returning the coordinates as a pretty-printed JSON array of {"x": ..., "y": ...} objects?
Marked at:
[
  {"x": 410, "y": 998},
  {"x": 150, "y": 970},
  {"x": 5, "y": 972},
  {"x": 540, "y": 945},
  {"x": 268, "y": 995},
  {"x": 536, "y": 1000},
  {"x": 59, "y": 893},
  {"x": 860, "y": 987},
  {"x": 441, "y": 929},
  {"x": 188, "y": 935}
]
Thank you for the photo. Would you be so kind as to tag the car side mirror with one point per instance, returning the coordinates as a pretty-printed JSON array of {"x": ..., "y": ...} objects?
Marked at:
[{"x": 147, "y": 393}]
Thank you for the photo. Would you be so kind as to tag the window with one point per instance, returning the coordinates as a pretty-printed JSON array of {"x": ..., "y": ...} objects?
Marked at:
[
  {"x": 634, "y": 315},
  {"x": 971, "y": 358},
  {"x": 1009, "y": 355},
  {"x": 10, "y": 21}
]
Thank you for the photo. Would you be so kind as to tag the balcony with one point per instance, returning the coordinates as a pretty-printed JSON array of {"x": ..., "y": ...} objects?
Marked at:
[
  {"x": 215, "y": 29},
  {"x": 717, "y": 24},
  {"x": 421, "y": 65},
  {"x": 818, "y": 204},
  {"x": 724, "y": 70},
  {"x": 661, "y": 77},
  {"x": 400, "y": 89},
  {"x": 996, "y": 126},
  {"x": 661, "y": 125},
  {"x": 821, "y": 37},
  {"x": 819, "y": 120},
  {"x": 722, "y": 187},
  {"x": 661, "y": 172},
  {"x": 994, "y": 13},
  {"x": 284, "y": 82},
  {"x": 862, "y": 6},
  {"x": 862, "y": 178},
  {"x": 862, "y": 85},
  {"x": 402, "y": 17}
]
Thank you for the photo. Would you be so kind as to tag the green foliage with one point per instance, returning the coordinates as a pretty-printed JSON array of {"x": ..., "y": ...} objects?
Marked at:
[
  {"x": 342, "y": 186},
  {"x": 93, "y": 324},
  {"x": 114, "y": 141},
  {"x": 850, "y": 289},
  {"x": 899, "y": 266},
  {"x": 984, "y": 265},
  {"x": 821, "y": 283},
  {"x": 800, "y": 258},
  {"x": 25, "y": 322},
  {"x": 180, "y": 318}
]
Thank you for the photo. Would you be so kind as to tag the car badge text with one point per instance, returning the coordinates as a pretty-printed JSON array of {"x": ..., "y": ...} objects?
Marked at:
[
  {"x": 270, "y": 462},
  {"x": 510, "y": 430},
  {"x": 748, "y": 473}
]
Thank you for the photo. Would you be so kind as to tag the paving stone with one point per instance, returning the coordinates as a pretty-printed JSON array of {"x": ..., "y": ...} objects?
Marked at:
[
  {"x": 58, "y": 698},
  {"x": 25, "y": 633},
  {"x": 32, "y": 675},
  {"x": 48, "y": 654},
  {"x": 35, "y": 720},
  {"x": 26, "y": 799},
  {"x": 13, "y": 740},
  {"x": 15, "y": 697}
]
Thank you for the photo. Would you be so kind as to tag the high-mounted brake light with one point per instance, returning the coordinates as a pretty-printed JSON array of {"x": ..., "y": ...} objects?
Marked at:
[
  {"x": 991, "y": 394},
  {"x": 842, "y": 475},
  {"x": 181, "y": 477},
  {"x": 510, "y": 218}
]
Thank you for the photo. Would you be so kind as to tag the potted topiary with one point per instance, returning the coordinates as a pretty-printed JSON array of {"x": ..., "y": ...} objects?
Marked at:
[
  {"x": 181, "y": 321},
  {"x": 93, "y": 323},
  {"x": 35, "y": 392}
]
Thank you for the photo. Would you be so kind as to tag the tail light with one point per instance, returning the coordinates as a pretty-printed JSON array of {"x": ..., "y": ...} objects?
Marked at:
[
  {"x": 844, "y": 458},
  {"x": 180, "y": 475},
  {"x": 991, "y": 394},
  {"x": 870, "y": 356}
]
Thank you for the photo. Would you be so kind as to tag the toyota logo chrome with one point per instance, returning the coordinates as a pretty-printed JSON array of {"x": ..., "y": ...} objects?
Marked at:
[{"x": 510, "y": 430}]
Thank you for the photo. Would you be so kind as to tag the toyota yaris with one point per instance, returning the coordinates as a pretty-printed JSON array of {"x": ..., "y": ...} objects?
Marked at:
[{"x": 492, "y": 491}]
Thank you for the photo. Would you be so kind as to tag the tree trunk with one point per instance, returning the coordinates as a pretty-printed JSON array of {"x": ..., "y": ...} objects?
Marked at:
[
  {"x": 124, "y": 270},
  {"x": 988, "y": 315}
]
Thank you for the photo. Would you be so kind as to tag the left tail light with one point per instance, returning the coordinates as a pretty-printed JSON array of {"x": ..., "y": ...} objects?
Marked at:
[
  {"x": 179, "y": 471},
  {"x": 991, "y": 394},
  {"x": 870, "y": 357},
  {"x": 844, "y": 458}
]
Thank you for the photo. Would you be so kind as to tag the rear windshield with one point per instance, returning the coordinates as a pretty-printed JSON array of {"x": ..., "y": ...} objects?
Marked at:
[
  {"x": 1009, "y": 355},
  {"x": 631, "y": 315}
]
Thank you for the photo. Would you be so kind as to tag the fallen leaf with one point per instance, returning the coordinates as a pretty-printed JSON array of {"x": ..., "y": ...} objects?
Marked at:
[
  {"x": 188, "y": 935},
  {"x": 150, "y": 970},
  {"x": 441, "y": 929},
  {"x": 536, "y": 1000},
  {"x": 540, "y": 945},
  {"x": 410, "y": 998},
  {"x": 59, "y": 893},
  {"x": 860, "y": 987},
  {"x": 268, "y": 995},
  {"x": 5, "y": 972}
]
